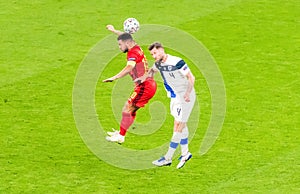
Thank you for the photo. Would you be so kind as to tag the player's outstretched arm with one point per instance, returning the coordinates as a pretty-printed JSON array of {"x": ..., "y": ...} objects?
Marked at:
[
  {"x": 121, "y": 74},
  {"x": 141, "y": 79},
  {"x": 151, "y": 72},
  {"x": 113, "y": 30}
]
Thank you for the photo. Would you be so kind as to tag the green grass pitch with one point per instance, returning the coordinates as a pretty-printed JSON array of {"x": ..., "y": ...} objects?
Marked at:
[{"x": 256, "y": 45}]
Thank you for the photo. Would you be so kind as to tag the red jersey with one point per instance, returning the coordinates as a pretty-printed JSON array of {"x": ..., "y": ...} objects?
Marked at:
[{"x": 141, "y": 66}]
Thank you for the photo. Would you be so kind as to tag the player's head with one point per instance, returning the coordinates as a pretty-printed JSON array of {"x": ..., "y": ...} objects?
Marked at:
[
  {"x": 157, "y": 51},
  {"x": 125, "y": 41}
]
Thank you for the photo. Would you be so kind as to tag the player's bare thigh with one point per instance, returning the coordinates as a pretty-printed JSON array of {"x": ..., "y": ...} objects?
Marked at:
[{"x": 129, "y": 108}]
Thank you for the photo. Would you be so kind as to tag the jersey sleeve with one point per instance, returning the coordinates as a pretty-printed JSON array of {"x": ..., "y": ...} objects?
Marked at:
[
  {"x": 185, "y": 70},
  {"x": 183, "y": 67},
  {"x": 132, "y": 58}
]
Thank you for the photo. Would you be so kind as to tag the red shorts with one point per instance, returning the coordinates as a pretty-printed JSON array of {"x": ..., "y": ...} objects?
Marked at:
[{"x": 143, "y": 93}]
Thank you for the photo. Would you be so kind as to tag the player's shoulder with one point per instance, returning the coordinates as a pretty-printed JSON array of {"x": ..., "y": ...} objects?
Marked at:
[
  {"x": 135, "y": 50},
  {"x": 174, "y": 60}
]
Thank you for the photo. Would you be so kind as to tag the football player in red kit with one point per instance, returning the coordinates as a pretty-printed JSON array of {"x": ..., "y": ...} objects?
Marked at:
[{"x": 136, "y": 67}]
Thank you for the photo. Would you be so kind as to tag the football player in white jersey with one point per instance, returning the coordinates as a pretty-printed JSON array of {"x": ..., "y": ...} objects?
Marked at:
[{"x": 179, "y": 84}]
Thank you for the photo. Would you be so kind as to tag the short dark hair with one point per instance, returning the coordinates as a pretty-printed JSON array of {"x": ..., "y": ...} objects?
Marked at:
[
  {"x": 125, "y": 36},
  {"x": 156, "y": 45}
]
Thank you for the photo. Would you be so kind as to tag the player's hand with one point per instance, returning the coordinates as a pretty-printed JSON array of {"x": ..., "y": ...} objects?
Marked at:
[
  {"x": 141, "y": 79},
  {"x": 187, "y": 97},
  {"x": 111, "y": 79},
  {"x": 110, "y": 27}
]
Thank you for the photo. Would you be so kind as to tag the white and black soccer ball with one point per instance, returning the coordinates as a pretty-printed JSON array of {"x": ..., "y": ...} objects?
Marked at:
[{"x": 131, "y": 25}]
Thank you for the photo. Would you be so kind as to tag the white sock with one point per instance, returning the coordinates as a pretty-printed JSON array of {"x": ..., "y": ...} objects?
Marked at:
[
  {"x": 173, "y": 145},
  {"x": 184, "y": 141}
]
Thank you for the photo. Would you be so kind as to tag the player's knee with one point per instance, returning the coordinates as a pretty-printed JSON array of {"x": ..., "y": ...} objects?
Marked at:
[
  {"x": 125, "y": 108},
  {"x": 130, "y": 109},
  {"x": 178, "y": 126}
]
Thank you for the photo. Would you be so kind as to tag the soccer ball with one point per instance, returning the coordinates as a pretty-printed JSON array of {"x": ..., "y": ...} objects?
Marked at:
[{"x": 131, "y": 25}]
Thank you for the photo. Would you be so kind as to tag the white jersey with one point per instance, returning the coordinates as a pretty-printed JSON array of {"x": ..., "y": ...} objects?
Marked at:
[{"x": 173, "y": 72}]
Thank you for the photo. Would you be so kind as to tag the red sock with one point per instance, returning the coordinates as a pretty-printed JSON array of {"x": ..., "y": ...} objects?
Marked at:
[{"x": 126, "y": 122}]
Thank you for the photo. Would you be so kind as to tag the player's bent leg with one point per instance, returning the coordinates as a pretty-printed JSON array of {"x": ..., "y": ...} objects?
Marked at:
[
  {"x": 129, "y": 108},
  {"x": 128, "y": 116},
  {"x": 175, "y": 140}
]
